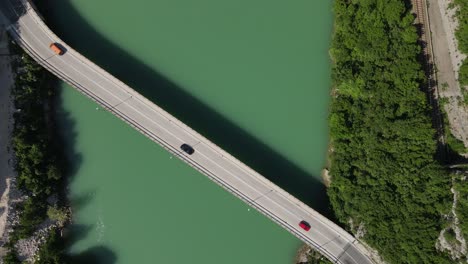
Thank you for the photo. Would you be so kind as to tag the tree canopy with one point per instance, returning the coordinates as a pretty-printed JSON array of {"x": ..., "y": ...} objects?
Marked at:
[{"x": 384, "y": 175}]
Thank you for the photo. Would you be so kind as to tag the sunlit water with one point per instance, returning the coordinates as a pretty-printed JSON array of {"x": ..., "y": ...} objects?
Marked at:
[{"x": 253, "y": 75}]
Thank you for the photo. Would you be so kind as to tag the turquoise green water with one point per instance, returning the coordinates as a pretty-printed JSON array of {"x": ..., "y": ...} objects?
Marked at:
[{"x": 251, "y": 75}]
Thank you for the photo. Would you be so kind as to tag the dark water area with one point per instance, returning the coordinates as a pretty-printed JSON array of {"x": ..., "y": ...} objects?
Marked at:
[{"x": 251, "y": 76}]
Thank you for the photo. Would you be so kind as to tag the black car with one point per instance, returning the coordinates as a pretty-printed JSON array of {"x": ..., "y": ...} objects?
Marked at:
[{"x": 187, "y": 149}]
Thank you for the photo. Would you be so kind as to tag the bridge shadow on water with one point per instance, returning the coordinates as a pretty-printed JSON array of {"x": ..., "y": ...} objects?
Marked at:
[
  {"x": 71, "y": 162},
  {"x": 188, "y": 109}
]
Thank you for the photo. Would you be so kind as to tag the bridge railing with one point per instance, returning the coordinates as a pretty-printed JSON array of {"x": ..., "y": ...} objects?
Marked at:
[{"x": 30, "y": 50}]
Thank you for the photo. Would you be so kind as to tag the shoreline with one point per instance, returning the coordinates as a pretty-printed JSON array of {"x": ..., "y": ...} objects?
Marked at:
[{"x": 43, "y": 212}]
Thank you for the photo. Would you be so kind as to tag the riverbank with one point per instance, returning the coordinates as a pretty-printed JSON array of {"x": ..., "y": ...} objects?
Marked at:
[
  {"x": 444, "y": 20},
  {"x": 6, "y": 126},
  {"x": 39, "y": 208},
  {"x": 306, "y": 255},
  {"x": 383, "y": 161}
]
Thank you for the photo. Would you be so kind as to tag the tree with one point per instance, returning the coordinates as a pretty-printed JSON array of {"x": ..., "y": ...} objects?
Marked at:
[{"x": 57, "y": 214}]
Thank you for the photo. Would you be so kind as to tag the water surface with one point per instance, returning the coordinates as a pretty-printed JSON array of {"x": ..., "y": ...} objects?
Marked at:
[{"x": 251, "y": 75}]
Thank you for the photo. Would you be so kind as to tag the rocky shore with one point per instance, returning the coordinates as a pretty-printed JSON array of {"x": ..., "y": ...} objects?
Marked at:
[{"x": 10, "y": 196}]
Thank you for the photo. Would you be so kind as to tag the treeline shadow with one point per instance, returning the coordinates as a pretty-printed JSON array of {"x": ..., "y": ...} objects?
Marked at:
[
  {"x": 454, "y": 158},
  {"x": 71, "y": 160},
  {"x": 65, "y": 135},
  {"x": 188, "y": 109},
  {"x": 92, "y": 255},
  {"x": 443, "y": 151},
  {"x": 12, "y": 10},
  {"x": 445, "y": 154}
]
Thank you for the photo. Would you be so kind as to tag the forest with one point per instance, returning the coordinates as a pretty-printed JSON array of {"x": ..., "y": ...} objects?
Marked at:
[
  {"x": 385, "y": 177},
  {"x": 37, "y": 150}
]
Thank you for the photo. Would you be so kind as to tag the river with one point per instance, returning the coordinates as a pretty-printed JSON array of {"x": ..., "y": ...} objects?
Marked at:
[{"x": 252, "y": 75}]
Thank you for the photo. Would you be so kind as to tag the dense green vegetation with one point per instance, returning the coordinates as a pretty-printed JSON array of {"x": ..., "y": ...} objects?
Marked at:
[
  {"x": 461, "y": 186},
  {"x": 52, "y": 251},
  {"x": 463, "y": 75},
  {"x": 452, "y": 142},
  {"x": 384, "y": 174},
  {"x": 462, "y": 37},
  {"x": 35, "y": 144},
  {"x": 38, "y": 173}
]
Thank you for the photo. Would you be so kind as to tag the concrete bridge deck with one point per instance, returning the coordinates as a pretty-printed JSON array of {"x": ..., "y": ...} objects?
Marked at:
[{"x": 31, "y": 33}]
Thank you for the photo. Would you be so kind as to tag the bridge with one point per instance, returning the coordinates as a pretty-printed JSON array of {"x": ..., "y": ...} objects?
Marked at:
[{"x": 30, "y": 32}]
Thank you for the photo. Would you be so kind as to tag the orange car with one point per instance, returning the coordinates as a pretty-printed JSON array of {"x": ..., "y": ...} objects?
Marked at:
[{"x": 57, "y": 49}]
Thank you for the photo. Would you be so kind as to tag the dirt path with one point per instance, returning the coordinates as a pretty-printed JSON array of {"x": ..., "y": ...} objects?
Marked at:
[{"x": 448, "y": 60}]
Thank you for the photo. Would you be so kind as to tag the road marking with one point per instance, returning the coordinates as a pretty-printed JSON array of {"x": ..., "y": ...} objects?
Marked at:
[
  {"x": 178, "y": 138},
  {"x": 190, "y": 135}
]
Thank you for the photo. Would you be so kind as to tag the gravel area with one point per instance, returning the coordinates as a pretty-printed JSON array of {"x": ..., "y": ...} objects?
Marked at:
[
  {"x": 448, "y": 61},
  {"x": 457, "y": 248}
]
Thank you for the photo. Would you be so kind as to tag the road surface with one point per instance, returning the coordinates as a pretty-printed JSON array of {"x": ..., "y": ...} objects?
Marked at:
[{"x": 31, "y": 33}]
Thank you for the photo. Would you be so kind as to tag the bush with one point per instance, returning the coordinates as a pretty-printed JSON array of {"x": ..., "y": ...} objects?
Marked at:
[
  {"x": 462, "y": 31},
  {"x": 10, "y": 258},
  {"x": 52, "y": 251},
  {"x": 462, "y": 37},
  {"x": 31, "y": 215},
  {"x": 461, "y": 186},
  {"x": 463, "y": 75},
  {"x": 57, "y": 214}
]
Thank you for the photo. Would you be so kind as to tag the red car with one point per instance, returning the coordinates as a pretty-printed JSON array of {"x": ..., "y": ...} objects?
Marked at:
[{"x": 304, "y": 225}]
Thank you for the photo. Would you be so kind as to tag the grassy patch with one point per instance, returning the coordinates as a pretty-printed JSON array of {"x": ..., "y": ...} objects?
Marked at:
[
  {"x": 450, "y": 236},
  {"x": 463, "y": 73},
  {"x": 462, "y": 38},
  {"x": 461, "y": 186},
  {"x": 465, "y": 95},
  {"x": 454, "y": 143},
  {"x": 444, "y": 86}
]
